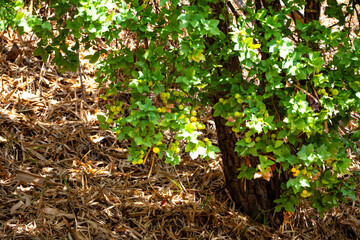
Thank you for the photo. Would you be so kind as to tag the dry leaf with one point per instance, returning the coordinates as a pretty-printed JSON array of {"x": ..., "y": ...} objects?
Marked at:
[{"x": 29, "y": 178}]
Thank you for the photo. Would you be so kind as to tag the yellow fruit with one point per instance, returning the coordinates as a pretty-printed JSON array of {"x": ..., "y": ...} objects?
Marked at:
[
  {"x": 140, "y": 161},
  {"x": 151, "y": 84},
  {"x": 193, "y": 119},
  {"x": 134, "y": 162},
  {"x": 193, "y": 113},
  {"x": 304, "y": 192},
  {"x": 239, "y": 101},
  {"x": 335, "y": 92},
  {"x": 293, "y": 170},
  {"x": 257, "y": 139},
  {"x": 221, "y": 100},
  {"x": 181, "y": 107},
  {"x": 237, "y": 96},
  {"x": 248, "y": 140},
  {"x": 156, "y": 150},
  {"x": 109, "y": 120},
  {"x": 206, "y": 139},
  {"x": 304, "y": 171},
  {"x": 237, "y": 114}
]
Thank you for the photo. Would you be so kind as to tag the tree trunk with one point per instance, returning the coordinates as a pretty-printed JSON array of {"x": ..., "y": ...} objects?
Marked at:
[{"x": 252, "y": 197}]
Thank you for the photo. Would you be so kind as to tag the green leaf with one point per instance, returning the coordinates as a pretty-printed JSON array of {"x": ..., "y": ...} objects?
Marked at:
[{"x": 101, "y": 118}]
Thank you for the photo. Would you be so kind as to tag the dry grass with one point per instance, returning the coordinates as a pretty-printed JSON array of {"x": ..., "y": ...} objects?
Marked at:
[{"x": 62, "y": 177}]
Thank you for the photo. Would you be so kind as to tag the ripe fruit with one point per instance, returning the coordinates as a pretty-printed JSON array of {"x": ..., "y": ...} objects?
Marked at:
[
  {"x": 150, "y": 84},
  {"x": 193, "y": 119},
  {"x": 193, "y": 113},
  {"x": 181, "y": 107},
  {"x": 304, "y": 192},
  {"x": 156, "y": 150},
  {"x": 237, "y": 96},
  {"x": 237, "y": 114},
  {"x": 221, "y": 100},
  {"x": 293, "y": 170},
  {"x": 140, "y": 161},
  {"x": 239, "y": 101},
  {"x": 206, "y": 139}
]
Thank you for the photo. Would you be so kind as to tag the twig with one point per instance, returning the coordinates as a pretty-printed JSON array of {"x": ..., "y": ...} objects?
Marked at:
[
  {"x": 80, "y": 74},
  {"x": 152, "y": 165}
]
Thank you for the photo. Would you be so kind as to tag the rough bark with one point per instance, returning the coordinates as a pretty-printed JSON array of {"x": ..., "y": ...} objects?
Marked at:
[{"x": 252, "y": 197}]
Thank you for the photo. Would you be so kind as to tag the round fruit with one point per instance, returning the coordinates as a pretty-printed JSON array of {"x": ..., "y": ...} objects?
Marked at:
[
  {"x": 304, "y": 171},
  {"x": 304, "y": 192},
  {"x": 159, "y": 110},
  {"x": 248, "y": 140},
  {"x": 151, "y": 84},
  {"x": 206, "y": 139},
  {"x": 335, "y": 92},
  {"x": 266, "y": 115},
  {"x": 134, "y": 162},
  {"x": 221, "y": 100},
  {"x": 140, "y": 161},
  {"x": 176, "y": 93},
  {"x": 237, "y": 96},
  {"x": 237, "y": 114},
  {"x": 257, "y": 139},
  {"x": 273, "y": 136},
  {"x": 156, "y": 150},
  {"x": 293, "y": 170},
  {"x": 209, "y": 143},
  {"x": 193, "y": 119},
  {"x": 239, "y": 101},
  {"x": 181, "y": 107},
  {"x": 193, "y": 113}
]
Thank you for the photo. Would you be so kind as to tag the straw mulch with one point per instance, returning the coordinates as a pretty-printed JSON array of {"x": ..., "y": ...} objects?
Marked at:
[{"x": 62, "y": 177}]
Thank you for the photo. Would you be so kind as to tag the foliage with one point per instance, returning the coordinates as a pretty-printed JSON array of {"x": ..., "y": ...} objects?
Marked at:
[
  {"x": 285, "y": 109},
  {"x": 10, "y": 14}
]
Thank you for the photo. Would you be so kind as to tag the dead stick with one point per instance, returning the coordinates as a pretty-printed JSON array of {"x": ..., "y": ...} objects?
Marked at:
[{"x": 80, "y": 74}]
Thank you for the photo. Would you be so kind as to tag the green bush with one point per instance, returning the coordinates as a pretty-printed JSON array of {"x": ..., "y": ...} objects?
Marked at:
[{"x": 272, "y": 84}]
